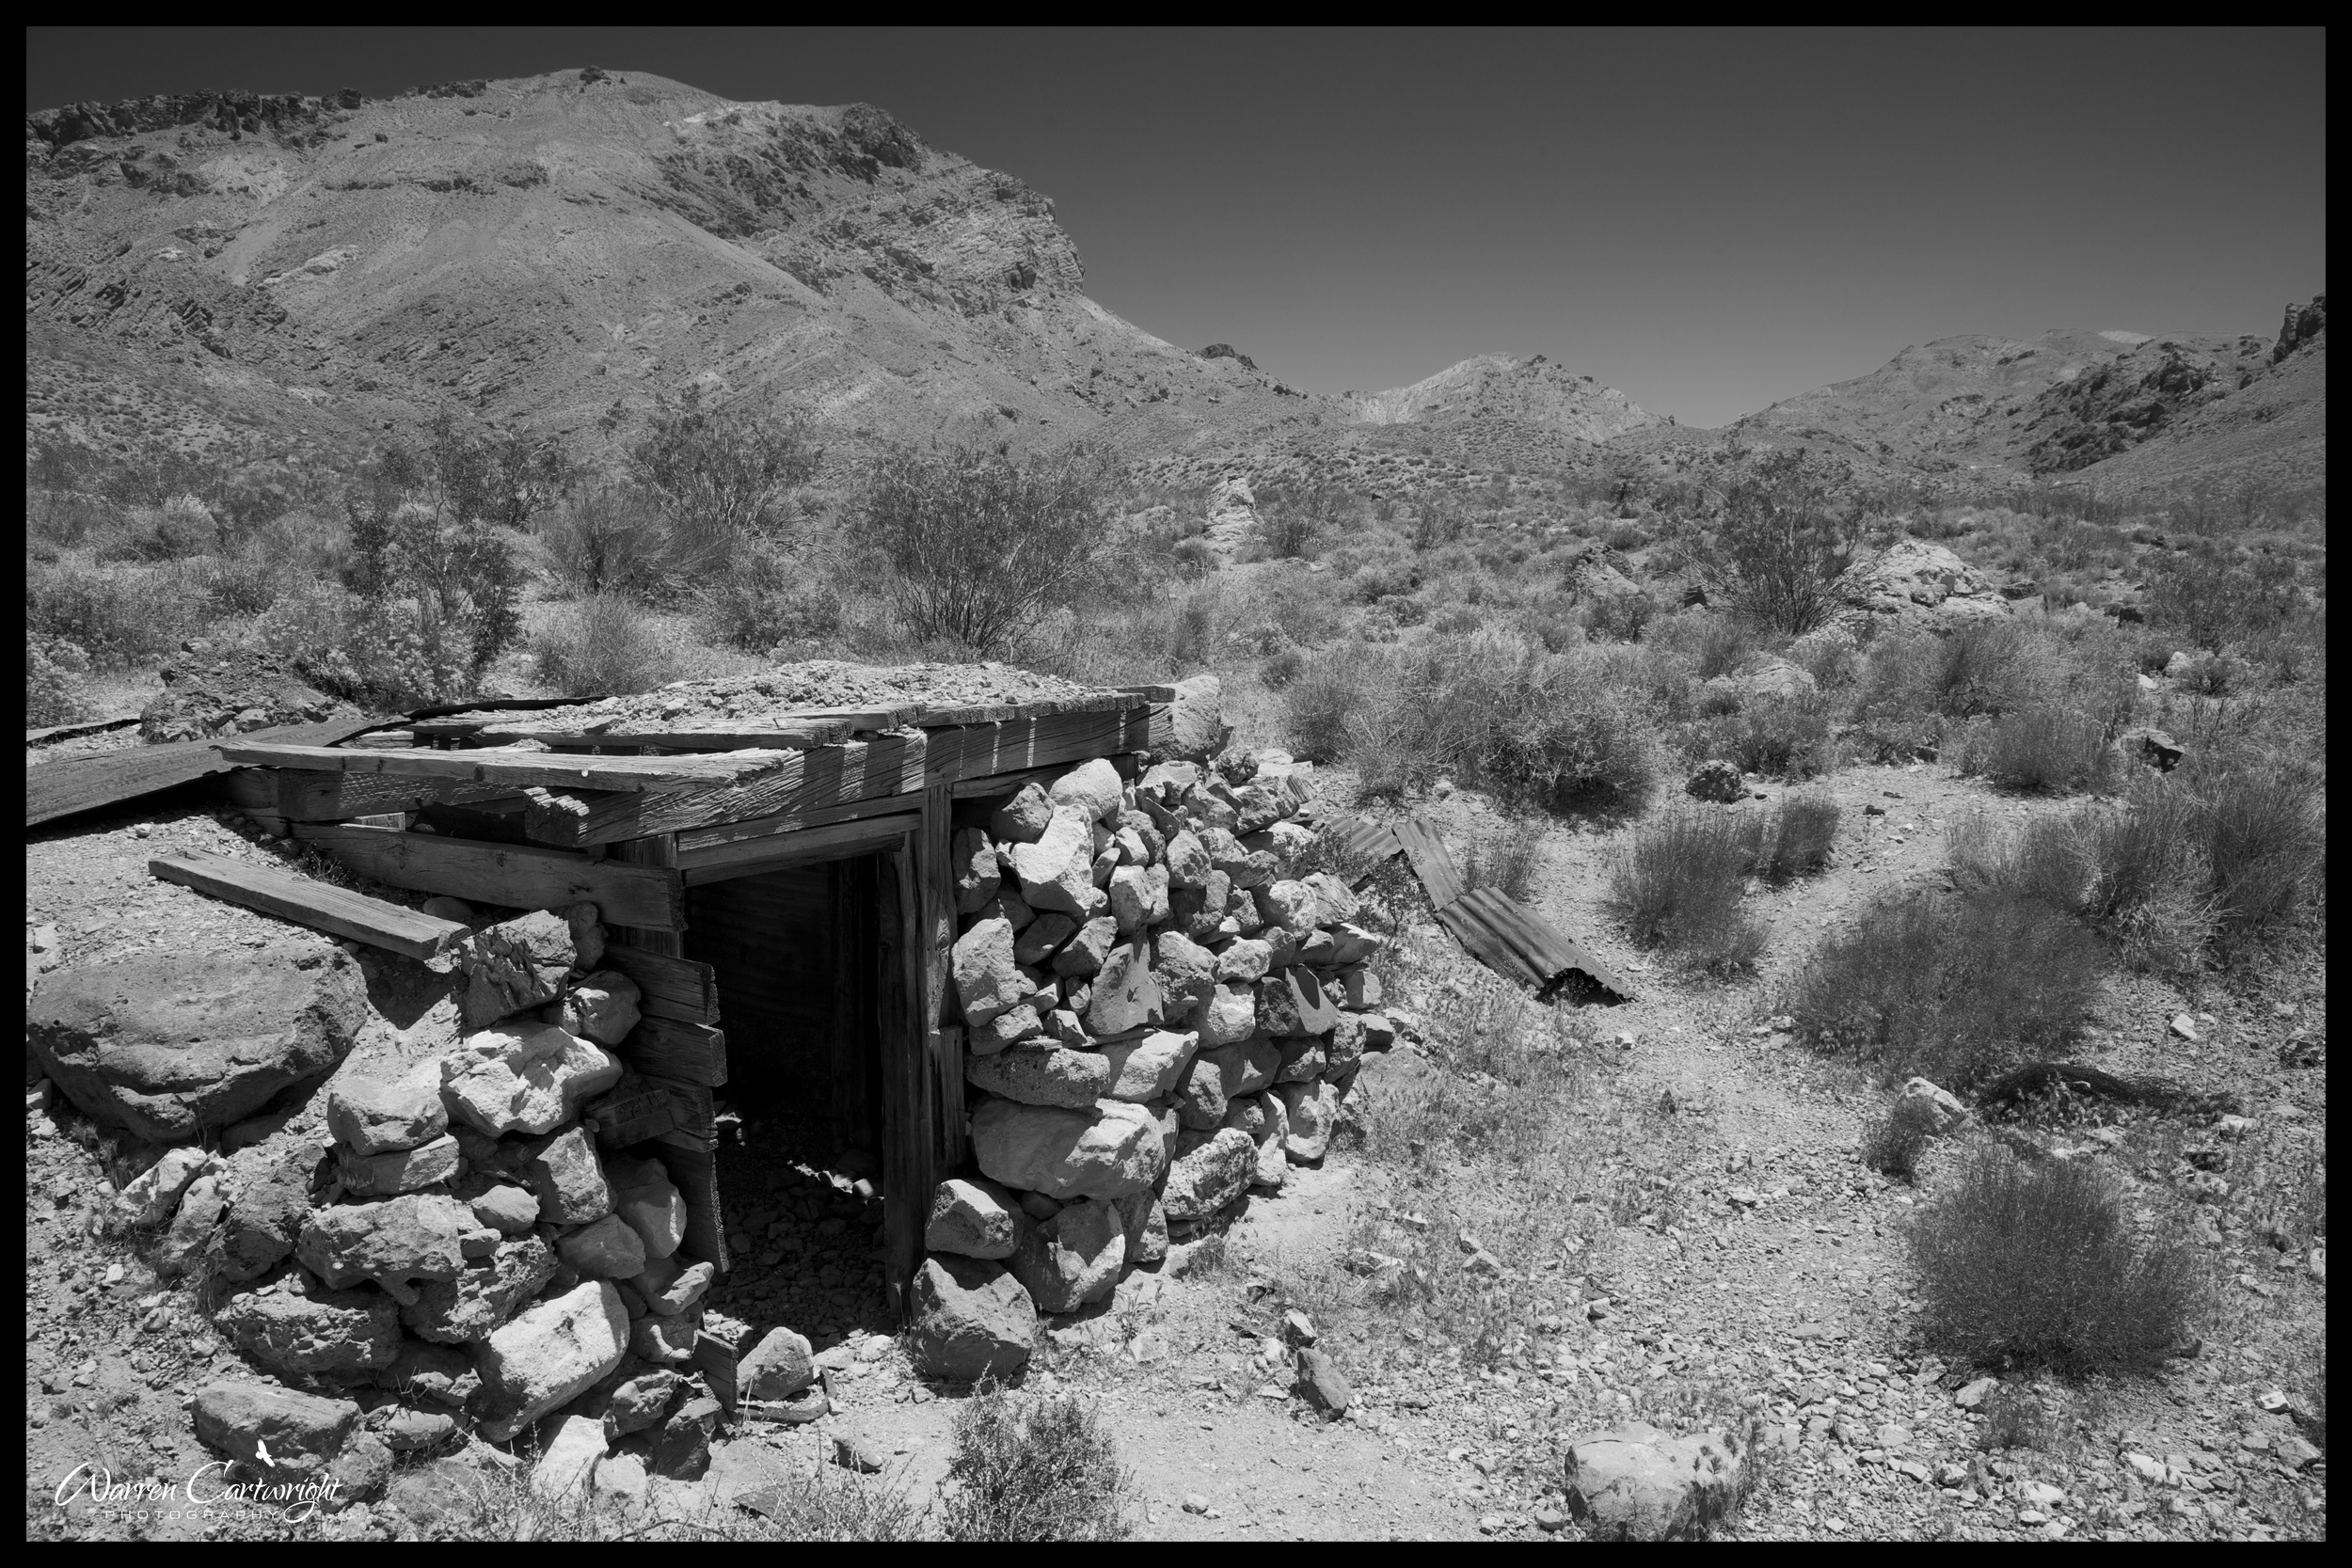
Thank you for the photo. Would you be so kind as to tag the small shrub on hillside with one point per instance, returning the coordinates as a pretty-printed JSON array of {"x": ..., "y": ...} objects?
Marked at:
[
  {"x": 609, "y": 540},
  {"x": 1290, "y": 520},
  {"x": 723, "y": 477},
  {"x": 604, "y": 645},
  {"x": 2036, "y": 1262},
  {"x": 768, "y": 599},
  {"x": 1895, "y": 1142},
  {"x": 1281, "y": 669},
  {"x": 1791, "y": 840},
  {"x": 2041, "y": 749},
  {"x": 2043, "y": 860},
  {"x": 2013, "y": 1419},
  {"x": 1775, "y": 542},
  {"x": 2216, "y": 597},
  {"x": 1951, "y": 989},
  {"x": 2265, "y": 834},
  {"x": 1329, "y": 690},
  {"x": 1618, "y": 617},
  {"x": 118, "y": 615},
  {"x": 1678, "y": 887},
  {"x": 1036, "y": 1467},
  {"x": 1778, "y": 738},
  {"x": 183, "y": 526},
  {"x": 373, "y": 652},
  {"x": 53, "y": 681},
  {"x": 1508, "y": 859}
]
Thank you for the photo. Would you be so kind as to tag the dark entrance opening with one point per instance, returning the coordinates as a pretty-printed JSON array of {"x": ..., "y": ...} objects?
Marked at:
[{"x": 797, "y": 956}]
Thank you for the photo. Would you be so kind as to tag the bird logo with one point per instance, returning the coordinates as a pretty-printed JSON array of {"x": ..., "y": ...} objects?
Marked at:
[{"x": 261, "y": 1451}]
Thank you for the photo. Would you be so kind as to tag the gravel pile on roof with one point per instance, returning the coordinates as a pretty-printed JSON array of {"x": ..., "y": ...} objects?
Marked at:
[{"x": 781, "y": 690}]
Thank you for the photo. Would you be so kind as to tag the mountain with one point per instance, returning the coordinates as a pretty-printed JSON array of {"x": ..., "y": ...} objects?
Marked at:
[
  {"x": 549, "y": 250},
  {"x": 1532, "y": 392}
]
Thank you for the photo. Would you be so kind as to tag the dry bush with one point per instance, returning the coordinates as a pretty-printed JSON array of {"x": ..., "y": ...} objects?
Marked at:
[
  {"x": 372, "y": 651},
  {"x": 2036, "y": 1262},
  {"x": 1950, "y": 989},
  {"x": 612, "y": 539},
  {"x": 1678, "y": 887},
  {"x": 768, "y": 598},
  {"x": 2043, "y": 749},
  {"x": 1791, "y": 840},
  {"x": 1508, "y": 859},
  {"x": 1038, "y": 1468},
  {"x": 813, "y": 1504},
  {"x": 605, "y": 645},
  {"x": 2013, "y": 1419},
  {"x": 2046, "y": 860},
  {"x": 1895, "y": 1142},
  {"x": 118, "y": 615},
  {"x": 1778, "y": 738},
  {"x": 2263, "y": 828},
  {"x": 1777, "y": 540},
  {"x": 55, "y": 690}
]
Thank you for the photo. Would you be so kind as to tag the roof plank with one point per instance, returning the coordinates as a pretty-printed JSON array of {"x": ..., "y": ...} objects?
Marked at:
[
  {"x": 318, "y": 905},
  {"x": 511, "y": 874},
  {"x": 54, "y": 790},
  {"x": 522, "y": 770}
]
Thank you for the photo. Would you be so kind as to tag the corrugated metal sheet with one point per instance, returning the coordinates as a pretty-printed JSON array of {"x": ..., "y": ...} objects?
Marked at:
[
  {"x": 1362, "y": 843},
  {"x": 1516, "y": 942},
  {"x": 1431, "y": 863}
]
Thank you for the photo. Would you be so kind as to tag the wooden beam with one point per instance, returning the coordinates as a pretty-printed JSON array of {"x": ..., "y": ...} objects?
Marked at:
[
  {"x": 943, "y": 1045},
  {"x": 750, "y": 857},
  {"x": 976, "y": 751},
  {"x": 664, "y": 1048},
  {"x": 318, "y": 905},
  {"x": 783, "y": 737},
  {"x": 667, "y": 988},
  {"x": 656, "y": 853},
  {"x": 943, "y": 714},
  {"x": 318, "y": 795},
  {"x": 1008, "y": 784},
  {"x": 71, "y": 785},
  {"x": 522, "y": 770},
  {"x": 909, "y": 1113},
  {"x": 806, "y": 782},
  {"x": 694, "y": 839},
  {"x": 530, "y": 879}
]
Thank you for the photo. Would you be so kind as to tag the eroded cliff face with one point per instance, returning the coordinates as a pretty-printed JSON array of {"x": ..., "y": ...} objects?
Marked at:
[{"x": 547, "y": 250}]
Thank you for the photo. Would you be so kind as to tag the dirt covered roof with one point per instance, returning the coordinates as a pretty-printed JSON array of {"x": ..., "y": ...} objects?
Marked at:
[{"x": 779, "y": 692}]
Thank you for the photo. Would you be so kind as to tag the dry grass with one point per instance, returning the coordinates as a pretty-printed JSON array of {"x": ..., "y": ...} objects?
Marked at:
[
  {"x": 1678, "y": 887},
  {"x": 1036, "y": 1467}
]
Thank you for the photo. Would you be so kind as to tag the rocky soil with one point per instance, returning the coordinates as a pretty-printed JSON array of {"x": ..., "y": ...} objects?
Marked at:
[{"x": 779, "y": 691}]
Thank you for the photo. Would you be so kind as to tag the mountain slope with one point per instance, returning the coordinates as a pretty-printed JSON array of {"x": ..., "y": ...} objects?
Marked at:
[{"x": 549, "y": 249}]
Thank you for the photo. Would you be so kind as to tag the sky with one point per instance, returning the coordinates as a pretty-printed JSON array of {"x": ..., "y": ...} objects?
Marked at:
[{"x": 1707, "y": 219}]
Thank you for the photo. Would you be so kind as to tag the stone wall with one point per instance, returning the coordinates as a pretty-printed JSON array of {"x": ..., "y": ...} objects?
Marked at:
[{"x": 1162, "y": 1011}]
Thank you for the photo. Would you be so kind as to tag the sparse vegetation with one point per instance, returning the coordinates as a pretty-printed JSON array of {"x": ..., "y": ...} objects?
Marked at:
[
  {"x": 2036, "y": 1263},
  {"x": 1790, "y": 840},
  {"x": 604, "y": 645},
  {"x": 1678, "y": 887},
  {"x": 1893, "y": 1143},
  {"x": 1036, "y": 1467},
  {"x": 1508, "y": 859},
  {"x": 1773, "y": 545}
]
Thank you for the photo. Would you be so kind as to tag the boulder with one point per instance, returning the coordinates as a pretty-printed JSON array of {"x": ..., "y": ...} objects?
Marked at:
[
  {"x": 1023, "y": 818},
  {"x": 1188, "y": 862},
  {"x": 1043, "y": 939},
  {"x": 1082, "y": 954},
  {"x": 606, "y": 1248},
  {"x": 382, "y": 1115},
  {"x": 1006, "y": 1029},
  {"x": 324, "y": 1334},
  {"x": 550, "y": 1354},
  {"x": 1092, "y": 789},
  {"x": 1201, "y": 1098},
  {"x": 406, "y": 1170},
  {"x": 1052, "y": 1076},
  {"x": 567, "y": 1459},
  {"x": 529, "y": 1078},
  {"x": 269, "y": 1202},
  {"x": 1073, "y": 1258},
  {"x": 1766, "y": 677},
  {"x": 1146, "y": 1067},
  {"x": 1205, "y": 913},
  {"x": 394, "y": 1243},
  {"x": 436, "y": 1374},
  {"x": 1145, "y": 1223},
  {"x": 516, "y": 964},
  {"x": 1916, "y": 583},
  {"x": 1125, "y": 996},
  {"x": 1242, "y": 961},
  {"x": 563, "y": 1172},
  {"x": 1291, "y": 1002},
  {"x": 988, "y": 976},
  {"x": 1636, "y": 1483},
  {"x": 1196, "y": 730},
  {"x": 603, "y": 1008},
  {"x": 1717, "y": 780},
  {"x": 170, "y": 1044},
  {"x": 1210, "y": 1177},
  {"x": 978, "y": 877},
  {"x": 670, "y": 1287},
  {"x": 969, "y": 1318},
  {"x": 1109, "y": 1152},
  {"x": 1229, "y": 1016},
  {"x": 191, "y": 1229},
  {"x": 1290, "y": 905},
  {"x": 970, "y": 1218},
  {"x": 1335, "y": 901},
  {"x": 1945, "y": 1107},
  {"x": 777, "y": 1368},
  {"x": 1273, "y": 1140},
  {"x": 1056, "y": 872},
  {"x": 648, "y": 1203},
  {"x": 1185, "y": 975},
  {"x": 639, "y": 1401},
  {"x": 1313, "y": 1109},
  {"x": 1138, "y": 896},
  {"x": 1303, "y": 1060},
  {"x": 505, "y": 1208},
  {"x": 302, "y": 1432},
  {"x": 1323, "y": 1385},
  {"x": 484, "y": 1294},
  {"x": 681, "y": 1444}
]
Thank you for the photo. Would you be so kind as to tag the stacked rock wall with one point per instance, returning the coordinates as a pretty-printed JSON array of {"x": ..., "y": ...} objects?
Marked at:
[
  {"x": 1159, "y": 1016},
  {"x": 464, "y": 1256}
]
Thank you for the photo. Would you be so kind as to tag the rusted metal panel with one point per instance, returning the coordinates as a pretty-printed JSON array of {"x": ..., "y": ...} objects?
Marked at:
[
  {"x": 1431, "y": 863},
  {"x": 1361, "y": 843},
  {"x": 1521, "y": 945}
]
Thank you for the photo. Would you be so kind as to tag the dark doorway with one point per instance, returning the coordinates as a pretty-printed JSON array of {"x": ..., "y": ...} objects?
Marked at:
[{"x": 797, "y": 955}]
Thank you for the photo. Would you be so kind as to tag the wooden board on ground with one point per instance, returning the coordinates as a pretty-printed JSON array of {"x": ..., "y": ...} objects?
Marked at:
[
  {"x": 55, "y": 790},
  {"x": 530, "y": 879},
  {"x": 807, "y": 781},
  {"x": 1430, "y": 862},
  {"x": 978, "y": 751},
  {"x": 668, "y": 988},
  {"x": 318, "y": 905},
  {"x": 50, "y": 734},
  {"x": 1520, "y": 945},
  {"x": 522, "y": 770}
]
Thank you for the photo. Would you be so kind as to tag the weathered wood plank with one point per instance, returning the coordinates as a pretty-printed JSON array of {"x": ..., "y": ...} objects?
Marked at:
[
  {"x": 716, "y": 1360},
  {"x": 1430, "y": 862},
  {"x": 908, "y": 1111},
  {"x": 531, "y": 879},
  {"x": 634, "y": 1111},
  {"x": 54, "y": 790},
  {"x": 1008, "y": 784},
  {"x": 939, "y": 715},
  {"x": 808, "y": 781},
  {"x": 315, "y": 794},
  {"x": 943, "y": 1044},
  {"x": 976, "y": 751},
  {"x": 789, "y": 738},
  {"x": 668, "y": 1048},
  {"x": 750, "y": 857},
  {"x": 521, "y": 769},
  {"x": 317, "y": 905},
  {"x": 669, "y": 988},
  {"x": 695, "y": 839},
  {"x": 659, "y": 852}
]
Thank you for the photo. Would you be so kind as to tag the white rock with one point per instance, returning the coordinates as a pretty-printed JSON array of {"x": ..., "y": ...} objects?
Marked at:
[
  {"x": 529, "y": 1078},
  {"x": 1092, "y": 788}
]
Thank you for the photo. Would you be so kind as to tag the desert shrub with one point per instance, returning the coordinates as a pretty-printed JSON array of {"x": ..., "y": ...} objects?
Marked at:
[
  {"x": 723, "y": 476},
  {"x": 118, "y": 615},
  {"x": 183, "y": 526},
  {"x": 2044, "y": 859},
  {"x": 1830, "y": 654},
  {"x": 1678, "y": 885},
  {"x": 1327, "y": 692},
  {"x": 768, "y": 599},
  {"x": 1039, "y": 1467},
  {"x": 2043, "y": 750},
  {"x": 2218, "y": 597},
  {"x": 610, "y": 539},
  {"x": 1290, "y": 520},
  {"x": 1947, "y": 988},
  {"x": 982, "y": 542},
  {"x": 1281, "y": 669},
  {"x": 1715, "y": 643},
  {"x": 1618, "y": 617},
  {"x": 53, "y": 681},
  {"x": 1777, "y": 737},
  {"x": 604, "y": 645},
  {"x": 431, "y": 530},
  {"x": 2036, "y": 1262},
  {"x": 2264, "y": 830},
  {"x": 2013, "y": 1419},
  {"x": 1776, "y": 540},
  {"x": 1894, "y": 1143},
  {"x": 1790, "y": 840},
  {"x": 379, "y": 652},
  {"x": 1508, "y": 859}
]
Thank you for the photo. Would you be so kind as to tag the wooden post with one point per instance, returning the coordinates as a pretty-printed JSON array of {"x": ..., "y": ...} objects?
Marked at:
[
  {"x": 909, "y": 1109},
  {"x": 661, "y": 849},
  {"x": 943, "y": 1048}
]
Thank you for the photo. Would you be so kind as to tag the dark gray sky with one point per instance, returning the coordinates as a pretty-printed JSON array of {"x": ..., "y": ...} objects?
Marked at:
[{"x": 1707, "y": 219}]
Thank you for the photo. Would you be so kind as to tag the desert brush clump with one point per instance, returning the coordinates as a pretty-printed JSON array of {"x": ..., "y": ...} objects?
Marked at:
[
  {"x": 1036, "y": 1467},
  {"x": 2036, "y": 1262},
  {"x": 1892, "y": 1144},
  {"x": 1790, "y": 840},
  {"x": 1678, "y": 886},
  {"x": 1775, "y": 538},
  {"x": 605, "y": 645}
]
